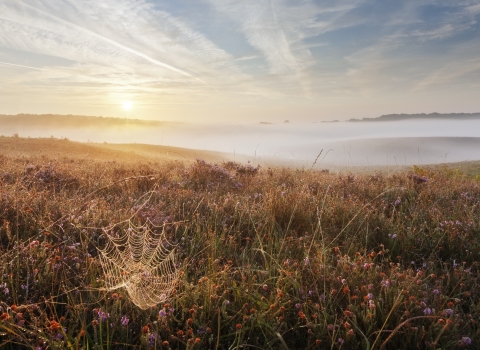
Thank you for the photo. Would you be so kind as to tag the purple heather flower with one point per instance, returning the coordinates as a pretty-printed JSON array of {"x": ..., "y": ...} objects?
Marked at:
[
  {"x": 151, "y": 339},
  {"x": 436, "y": 291},
  {"x": 330, "y": 327},
  {"x": 162, "y": 313},
  {"x": 427, "y": 311},
  {"x": 341, "y": 341},
  {"x": 102, "y": 315},
  {"x": 125, "y": 320},
  {"x": 449, "y": 312},
  {"x": 466, "y": 340},
  {"x": 298, "y": 306}
]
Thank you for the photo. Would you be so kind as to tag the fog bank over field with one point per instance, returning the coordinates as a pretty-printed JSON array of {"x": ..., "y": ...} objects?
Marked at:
[{"x": 403, "y": 142}]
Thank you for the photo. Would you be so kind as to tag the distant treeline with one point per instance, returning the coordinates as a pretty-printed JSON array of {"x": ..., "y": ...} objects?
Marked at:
[
  {"x": 396, "y": 117},
  {"x": 60, "y": 120}
]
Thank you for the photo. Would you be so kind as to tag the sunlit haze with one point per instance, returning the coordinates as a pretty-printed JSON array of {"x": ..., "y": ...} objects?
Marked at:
[
  {"x": 127, "y": 105},
  {"x": 239, "y": 61}
]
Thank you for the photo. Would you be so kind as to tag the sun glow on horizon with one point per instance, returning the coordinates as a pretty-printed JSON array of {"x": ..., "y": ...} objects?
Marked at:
[{"x": 127, "y": 105}]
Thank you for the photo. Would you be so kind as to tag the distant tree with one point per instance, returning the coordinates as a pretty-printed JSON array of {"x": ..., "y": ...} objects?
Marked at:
[{"x": 287, "y": 121}]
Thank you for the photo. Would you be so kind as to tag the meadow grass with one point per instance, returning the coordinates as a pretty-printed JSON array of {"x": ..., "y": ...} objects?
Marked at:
[{"x": 268, "y": 257}]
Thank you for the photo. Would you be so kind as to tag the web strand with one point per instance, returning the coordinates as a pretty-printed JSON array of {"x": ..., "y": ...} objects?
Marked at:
[{"x": 140, "y": 261}]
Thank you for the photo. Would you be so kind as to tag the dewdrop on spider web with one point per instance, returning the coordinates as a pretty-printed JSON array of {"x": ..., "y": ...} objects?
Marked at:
[{"x": 140, "y": 261}]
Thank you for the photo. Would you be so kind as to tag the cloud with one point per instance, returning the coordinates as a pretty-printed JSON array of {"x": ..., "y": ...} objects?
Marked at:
[
  {"x": 19, "y": 65},
  {"x": 259, "y": 23},
  {"x": 136, "y": 43},
  {"x": 450, "y": 74},
  {"x": 131, "y": 36},
  {"x": 277, "y": 29},
  {"x": 112, "y": 42},
  {"x": 284, "y": 33},
  {"x": 230, "y": 53},
  {"x": 412, "y": 52}
]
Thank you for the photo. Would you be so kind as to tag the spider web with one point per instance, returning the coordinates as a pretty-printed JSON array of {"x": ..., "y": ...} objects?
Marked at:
[{"x": 141, "y": 262}]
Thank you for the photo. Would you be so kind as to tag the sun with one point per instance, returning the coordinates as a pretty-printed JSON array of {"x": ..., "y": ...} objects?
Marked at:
[{"x": 127, "y": 105}]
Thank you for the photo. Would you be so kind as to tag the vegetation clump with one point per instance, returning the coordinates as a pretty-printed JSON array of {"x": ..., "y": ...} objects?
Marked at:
[{"x": 267, "y": 258}]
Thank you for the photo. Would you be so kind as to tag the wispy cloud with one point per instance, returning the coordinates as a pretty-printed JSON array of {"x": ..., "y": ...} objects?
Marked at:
[
  {"x": 229, "y": 53},
  {"x": 258, "y": 21},
  {"x": 19, "y": 65},
  {"x": 131, "y": 37},
  {"x": 110, "y": 41},
  {"x": 277, "y": 29},
  {"x": 406, "y": 56}
]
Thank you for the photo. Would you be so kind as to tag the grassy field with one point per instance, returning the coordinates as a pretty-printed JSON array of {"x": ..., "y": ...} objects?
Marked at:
[
  {"x": 266, "y": 257},
  {"x": 470, "y": 168},
  {"x": 63, "y": 149}
]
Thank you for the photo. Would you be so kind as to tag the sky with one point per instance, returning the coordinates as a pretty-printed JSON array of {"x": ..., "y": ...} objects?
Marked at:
[{"x": 232, "y": 61}]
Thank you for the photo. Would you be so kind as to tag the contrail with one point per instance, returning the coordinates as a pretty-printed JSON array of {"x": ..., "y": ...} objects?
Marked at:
[
  {"x": 123, "y": 47},
  {"x": 19, "y": 65}
]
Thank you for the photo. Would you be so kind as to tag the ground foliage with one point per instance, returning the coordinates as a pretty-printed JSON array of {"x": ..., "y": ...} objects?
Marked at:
[{"x": 268, "y": 258}]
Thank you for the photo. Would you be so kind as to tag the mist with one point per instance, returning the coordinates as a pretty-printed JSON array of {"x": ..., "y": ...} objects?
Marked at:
[{"x": 343, "y": 143}]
